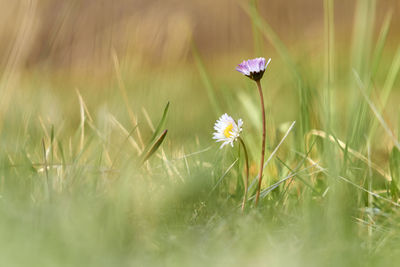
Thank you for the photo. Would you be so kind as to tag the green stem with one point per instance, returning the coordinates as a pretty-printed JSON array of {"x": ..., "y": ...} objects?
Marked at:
[
  {"x": 263, "y": 142},
  {"x": 246, "y": 181}
]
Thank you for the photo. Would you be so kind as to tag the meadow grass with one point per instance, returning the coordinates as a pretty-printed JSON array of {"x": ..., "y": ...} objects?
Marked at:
[{"x": 85, "y": 179}]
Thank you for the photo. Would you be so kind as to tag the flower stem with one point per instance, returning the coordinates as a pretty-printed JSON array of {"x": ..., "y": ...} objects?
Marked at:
[
  {"x": 246, "y": 181},
  {"x": 263, "y": 142}
]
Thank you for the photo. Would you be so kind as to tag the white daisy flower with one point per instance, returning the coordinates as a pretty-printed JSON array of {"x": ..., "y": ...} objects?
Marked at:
[{"x": 227, "y": 130}]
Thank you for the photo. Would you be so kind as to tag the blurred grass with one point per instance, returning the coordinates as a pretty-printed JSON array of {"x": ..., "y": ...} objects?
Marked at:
[{"x": 72, "y": 193}]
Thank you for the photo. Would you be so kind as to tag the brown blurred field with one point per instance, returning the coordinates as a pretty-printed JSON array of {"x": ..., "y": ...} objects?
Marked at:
[
  {"x": 60, "y": 46},
  {"x": 80, "y": 36}
]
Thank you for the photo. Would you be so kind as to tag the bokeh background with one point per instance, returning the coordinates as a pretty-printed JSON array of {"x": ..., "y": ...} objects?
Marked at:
[
  {"x": 67, "y": 45},
  {"x": 83, "y": 85},
  {"x": 77, "y": 35}
]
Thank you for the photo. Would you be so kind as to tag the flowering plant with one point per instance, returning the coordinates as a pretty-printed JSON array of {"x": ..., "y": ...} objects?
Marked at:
[{"x": 227, "y": 130}]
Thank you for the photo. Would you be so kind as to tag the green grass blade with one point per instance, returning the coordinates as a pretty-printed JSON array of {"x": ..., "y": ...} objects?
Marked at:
[
  {"x": 257, "y": 37},
  {"x": 223, "y": 175},
  {"x": 376, "y": 111},
  {"x": 205, "y": 78},
  {"x": 155, "y": 146},
  {"x": 394, "y": 164},
  {"x": 329, "y": 62},
  {"x": 160, "y": 126},
  {"x": 376, "y": 58},
  {"x": 362, "y": 35},
  {"x": 62, "y": 154},
  {"x": 386, "y": 90},
  {"x": 391, "y": 78}
]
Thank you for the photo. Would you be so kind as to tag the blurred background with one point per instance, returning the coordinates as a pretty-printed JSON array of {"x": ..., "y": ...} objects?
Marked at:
[
  {"x": 76, "y": 35},
  {"x": 146, "y": 53},
  {"x": 60, "y": 46}
]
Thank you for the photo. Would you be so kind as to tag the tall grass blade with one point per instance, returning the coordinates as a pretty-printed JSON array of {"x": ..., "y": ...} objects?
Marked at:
[
  {"x": 329, "y": 60},
  {"x": 82, "y": 122},
  {"x": 206, "y": 81},
  {"x": 121, "y": 147},
  {"x": 132, "y": 141},
  {"x": 386, "y": 90},
  {"x": 394, "y": 164},
  {"x": 377, "y": 55},
  {"x": 223, "y": 175},
  {"x": 360, "y": 52},
  {"x": 376, "y": 112},
  {"x": 362, "y": 35},
  {"x": 124, "y": 94},
  {"x": 46, "y": 171},
  {"x": 391, "y": 78},
  {"x": 257, "y": 38}
]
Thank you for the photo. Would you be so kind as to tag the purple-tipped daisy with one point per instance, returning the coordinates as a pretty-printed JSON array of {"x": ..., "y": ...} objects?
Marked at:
[{"x": 253, "y": 68}]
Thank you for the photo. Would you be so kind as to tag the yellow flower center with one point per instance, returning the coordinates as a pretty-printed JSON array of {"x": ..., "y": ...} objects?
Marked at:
[{"x": 227, "y": 131}]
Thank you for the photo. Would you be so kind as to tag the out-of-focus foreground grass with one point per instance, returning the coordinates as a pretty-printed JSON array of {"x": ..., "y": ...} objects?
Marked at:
[{"x": 73, "y": 128}]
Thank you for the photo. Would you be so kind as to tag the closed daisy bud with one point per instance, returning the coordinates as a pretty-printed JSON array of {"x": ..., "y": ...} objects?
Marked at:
[
  {"x": 227, "y": 130},
  {"x": 253, "y": 68}
]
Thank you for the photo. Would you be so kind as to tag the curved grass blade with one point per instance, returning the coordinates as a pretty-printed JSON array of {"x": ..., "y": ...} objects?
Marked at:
[
  {"x": 160, "y": 126},
  {"x": 223, "y": 176},
  {"x": 122, "y": 145},
  {"x": 155, "y": 146}
]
